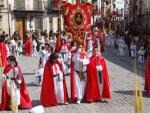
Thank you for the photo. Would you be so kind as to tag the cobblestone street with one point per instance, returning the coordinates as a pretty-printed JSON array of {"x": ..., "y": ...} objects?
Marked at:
[{"x": 122, "y": 85}]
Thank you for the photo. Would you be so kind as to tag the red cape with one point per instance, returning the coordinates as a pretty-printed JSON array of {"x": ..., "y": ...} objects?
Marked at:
[
  {"x": 3, "y": 54},
  {"x": 47, "y": 91},
  {"x": 58, "y": 45},
  {"x": 72, "y": 80},
  {"x": 147, "y": 75},
  {"x": 92, "y": 89},
  {"x": 28, "y": 47},
  {"x": 25, "y": 99}
]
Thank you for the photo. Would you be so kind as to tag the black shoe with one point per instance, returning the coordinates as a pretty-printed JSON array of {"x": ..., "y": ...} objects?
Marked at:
[{"x": 103, "y": 101}]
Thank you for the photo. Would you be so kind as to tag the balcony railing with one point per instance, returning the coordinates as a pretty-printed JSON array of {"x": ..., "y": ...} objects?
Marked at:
[{"x": 36, "y": 5}]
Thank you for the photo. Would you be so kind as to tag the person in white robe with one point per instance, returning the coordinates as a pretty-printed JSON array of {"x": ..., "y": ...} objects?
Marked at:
[
  {"x": 34, "y": 46},
  {"x": 107, "y": 39},
  {"x": 13, "y": 46},
  {"x": 81, "y": 61},
  {"x": 112, "y": 39},
  {"x": 41, "y": 42},
  {"x": 65, "y": 56},
  {"x": 43, "y": 56},
  {"x": 133, "y": 49},
  {"x": 38, "y": 75},
  {"x": 122, "y": 45},
  {"x": 141, "y": 55}
]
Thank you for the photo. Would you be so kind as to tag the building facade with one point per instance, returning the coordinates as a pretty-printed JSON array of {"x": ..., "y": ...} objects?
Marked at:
[
  {"x": 4, "y": 16},
  {"x": 23, "y": 15},
  {"x": 145, "y": 13},
  {"x": 140, "y": 12},
  {"x": 27, "y": 15}
]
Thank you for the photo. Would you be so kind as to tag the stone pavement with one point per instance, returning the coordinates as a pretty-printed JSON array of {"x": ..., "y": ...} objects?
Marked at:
[{"x": 122, "y": 85}]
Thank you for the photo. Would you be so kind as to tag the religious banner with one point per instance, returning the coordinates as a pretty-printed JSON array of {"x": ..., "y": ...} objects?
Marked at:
[{"x": 77, "y": 19}]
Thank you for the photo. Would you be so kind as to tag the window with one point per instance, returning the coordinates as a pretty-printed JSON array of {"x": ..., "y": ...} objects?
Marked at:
[
  {"x": 38, "y": 23},
  {"x": 37, "y": 5},
  {"x": 20, "y": 4}
]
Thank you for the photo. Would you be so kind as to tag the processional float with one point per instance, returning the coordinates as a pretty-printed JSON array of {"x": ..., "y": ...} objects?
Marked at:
[{"x": 77, "y": 19}]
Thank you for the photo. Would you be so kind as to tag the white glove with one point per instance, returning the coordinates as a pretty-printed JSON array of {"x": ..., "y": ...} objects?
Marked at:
[
  {"x": 4, "y": 76},
  {"x": 19, "y": 81},
  {"x": 99, "y": 68}
]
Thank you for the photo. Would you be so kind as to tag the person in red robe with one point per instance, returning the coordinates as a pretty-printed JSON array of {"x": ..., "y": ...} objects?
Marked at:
[
  {"x": 21, "y": 97},
  {"x": 98, "y": 84},
  {"x": 28, "y": 45},
  {"x": 73, "y": 51},
  {"x": 3, "y": 53},
  {"x": 147, "y": 68},
  {"x": 54, "y": 89},
  {"x": 58, "y": 44}
]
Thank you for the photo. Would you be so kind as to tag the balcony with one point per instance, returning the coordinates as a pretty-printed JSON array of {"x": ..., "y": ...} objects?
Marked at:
[
  {"x": 22, "y": 5},
  {"x": 22, "y": 8},
  {"x": 38, "y": 5}
]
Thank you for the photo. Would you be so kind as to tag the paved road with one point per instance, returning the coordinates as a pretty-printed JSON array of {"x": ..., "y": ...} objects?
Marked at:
[{"x": 122, "y": 85}]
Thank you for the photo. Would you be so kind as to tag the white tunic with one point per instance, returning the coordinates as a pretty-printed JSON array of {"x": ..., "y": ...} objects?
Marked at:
[
  {"x": 43, "y": 57},
  {"x": 80, "y": 84},
  {"x": 121, "y": 45},
  {"x": 65, "y": 56},
  {"x": 141, "y": 56},
  {"x": 38, "y": 73},
  {"x": 42, "y": 42},
  {"x": 58, "y": 84},
  {"x": 133, "y": 50}
]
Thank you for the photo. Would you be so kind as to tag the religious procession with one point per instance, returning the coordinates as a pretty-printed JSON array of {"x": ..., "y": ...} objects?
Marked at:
[{"x": 100, "y": 67}]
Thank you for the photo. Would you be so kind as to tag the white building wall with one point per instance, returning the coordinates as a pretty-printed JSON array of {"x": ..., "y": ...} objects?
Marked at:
[
  {"x": 12, "y": 26},
  {"x": 5, "y": 18},
  {"x": 44, "y": 23},
  {"x": 12, "y": 4},
  {"x": 47, "y": 25},
  {"x": 55, "y": 23},
  {"x": 27, "y": 22},
  {"x": 62, "y": 23},
  {"x": 33, "y": 24},
  {"x": 28, "y": 4}
]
